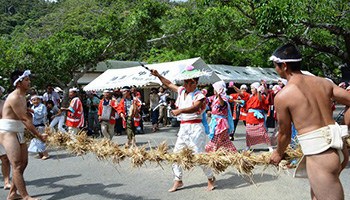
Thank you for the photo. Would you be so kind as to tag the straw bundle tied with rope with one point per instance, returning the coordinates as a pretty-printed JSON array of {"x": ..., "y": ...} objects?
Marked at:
[{"x": 219, "y": 161}]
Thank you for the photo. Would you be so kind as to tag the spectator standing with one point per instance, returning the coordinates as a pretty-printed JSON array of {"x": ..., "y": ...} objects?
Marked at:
[
  {"x": 75, "y": 112},
  {"x": 106, "y": 114},
  {"x": 50, "y": 94},
  {"x": 118, "y": 120},
  {"x": 127, "y": 109},
  {"x": 153, "y": 102},
  {"x": 92, "y": 103},
  {"x": 163, "y": 94}
]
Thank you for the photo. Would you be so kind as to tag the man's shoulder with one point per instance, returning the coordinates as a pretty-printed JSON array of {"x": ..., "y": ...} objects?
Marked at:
[{"x": 13, "y": 96}]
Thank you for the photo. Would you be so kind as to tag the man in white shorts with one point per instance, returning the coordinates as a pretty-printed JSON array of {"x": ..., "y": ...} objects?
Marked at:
[
  {"x": 5, "y": 163},
  {"x": 191, "y": 104},
  {"x": 15, "y": 119}
]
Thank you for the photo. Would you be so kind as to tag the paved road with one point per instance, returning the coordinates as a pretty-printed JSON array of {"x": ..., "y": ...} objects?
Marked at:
[{"x": 65, "y": 176}]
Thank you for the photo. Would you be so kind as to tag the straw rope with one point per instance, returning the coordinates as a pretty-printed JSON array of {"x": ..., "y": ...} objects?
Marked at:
[{"x": 219, "y": 161}]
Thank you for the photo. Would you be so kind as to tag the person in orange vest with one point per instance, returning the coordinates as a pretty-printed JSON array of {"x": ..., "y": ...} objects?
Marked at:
[
  {"x": 106, "y": 114},
  {"x": 127, "y": 109},
  {"x": 75, "y": 112}
]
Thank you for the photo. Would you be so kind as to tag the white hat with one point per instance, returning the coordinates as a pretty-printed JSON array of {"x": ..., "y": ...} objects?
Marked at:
[
  {"x": 74, "y": 89},
  {"x": 255, "y": 85},
  {"x": 284, "y": 81},
  {"x": 219, "y": 85},
  {"x": 243, "y": 87}
]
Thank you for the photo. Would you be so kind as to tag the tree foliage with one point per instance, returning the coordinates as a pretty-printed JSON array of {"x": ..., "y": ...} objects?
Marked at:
[{"x": 62, "y": 40}]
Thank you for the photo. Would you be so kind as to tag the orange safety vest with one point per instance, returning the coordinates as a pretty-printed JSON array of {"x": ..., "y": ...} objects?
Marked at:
[
  {"x": 113, "y": 113},
  {"x": 121, "y": 109},
  {"x": 75, "y": 115}
]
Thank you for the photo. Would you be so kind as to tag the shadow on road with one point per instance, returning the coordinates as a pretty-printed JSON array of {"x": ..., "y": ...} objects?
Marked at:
[
  {"x": 234, "y": 181},
  {"x": 66, "y": 191}
]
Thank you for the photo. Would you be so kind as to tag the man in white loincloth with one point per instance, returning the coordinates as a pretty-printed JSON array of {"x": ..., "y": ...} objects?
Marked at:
[
  {"x": 306, "y": 101},
  {"x": 15, "y": 118}
]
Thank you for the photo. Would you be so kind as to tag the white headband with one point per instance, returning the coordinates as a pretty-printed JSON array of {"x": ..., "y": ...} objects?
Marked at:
[
  {"x": 74, "y": 90},
  {"x": 19, "y": 79},
  {"x": 279, "y": 60},
  {"x": 35, "y": 97}
]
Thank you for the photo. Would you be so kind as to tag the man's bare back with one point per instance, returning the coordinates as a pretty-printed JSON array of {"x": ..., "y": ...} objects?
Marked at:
[{"x": 308, "y": 99}]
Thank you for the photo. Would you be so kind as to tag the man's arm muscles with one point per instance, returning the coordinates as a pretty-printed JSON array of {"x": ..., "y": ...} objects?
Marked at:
[
  {"x": 285, "y": 127},
  {"x": 341, "y": 96}
]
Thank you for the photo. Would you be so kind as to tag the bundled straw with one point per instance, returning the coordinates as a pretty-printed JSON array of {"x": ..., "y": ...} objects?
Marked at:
[{"x": 219, "y": 161}]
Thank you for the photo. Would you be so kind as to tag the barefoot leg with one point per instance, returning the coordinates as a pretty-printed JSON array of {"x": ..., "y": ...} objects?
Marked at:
[
  {"x": 177, "y": 184},
  {"x": 211, "y": 184}
]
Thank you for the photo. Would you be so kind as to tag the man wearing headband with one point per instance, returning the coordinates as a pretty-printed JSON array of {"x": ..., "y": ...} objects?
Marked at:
[
  {"x": 15, "y": 119},
  {"x": 75, "y": 112},
  {"x": 191, "y": 105},
  {"x": 320, "y": 137},
  {"x": 127, "y": 109}
]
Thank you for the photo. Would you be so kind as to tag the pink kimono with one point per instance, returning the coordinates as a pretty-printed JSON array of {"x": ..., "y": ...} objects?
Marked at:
[{"x": 219, "y": 126}]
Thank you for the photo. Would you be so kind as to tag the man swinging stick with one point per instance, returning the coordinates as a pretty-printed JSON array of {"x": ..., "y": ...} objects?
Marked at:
[{"x": 191, "y": 105}]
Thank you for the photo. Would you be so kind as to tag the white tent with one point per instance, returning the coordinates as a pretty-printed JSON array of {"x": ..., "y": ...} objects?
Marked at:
[
  {"x": 245, "y": 74},
  {"x": 140, "y": 77}
]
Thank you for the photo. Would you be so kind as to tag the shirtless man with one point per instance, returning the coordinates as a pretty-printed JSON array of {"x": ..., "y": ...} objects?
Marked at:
[
  {"x": 5, "y": 163},
  {"x": 15, "y": 118},
  {"x": 306, "y": 101},
  {"x": 191, "y": 134}
]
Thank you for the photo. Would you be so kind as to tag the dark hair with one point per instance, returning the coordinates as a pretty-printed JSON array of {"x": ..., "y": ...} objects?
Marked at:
[
  {"x": 289, "y": 51},
  {"x": 16, "y": 74},
  {"x": 196, "y": 79},
  {"x": 154, "y": 90},
  {"x": 126, "y": 87},
  {"x": 50, "y": 102}
]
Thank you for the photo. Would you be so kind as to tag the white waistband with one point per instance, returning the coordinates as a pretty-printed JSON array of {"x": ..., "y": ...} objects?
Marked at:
[
  {"x": 320, "y": 140},
  {"x": 11, "y": 125}
]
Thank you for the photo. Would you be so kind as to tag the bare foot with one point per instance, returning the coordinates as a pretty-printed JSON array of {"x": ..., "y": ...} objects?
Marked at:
[
  {"x": 177, "y": 184},
  {"x": 45, "y": 157},
  {"x": 211, "y": 184},
  {"x": 7, "y": 186},
  {"x": 14, "y": 196},
  {"x": 30, "y": 198}
]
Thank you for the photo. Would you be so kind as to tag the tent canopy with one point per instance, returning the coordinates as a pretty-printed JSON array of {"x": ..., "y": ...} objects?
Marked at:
[
  {"x": 140, "y": 77},
  {"x": 245, "y": 74}
]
